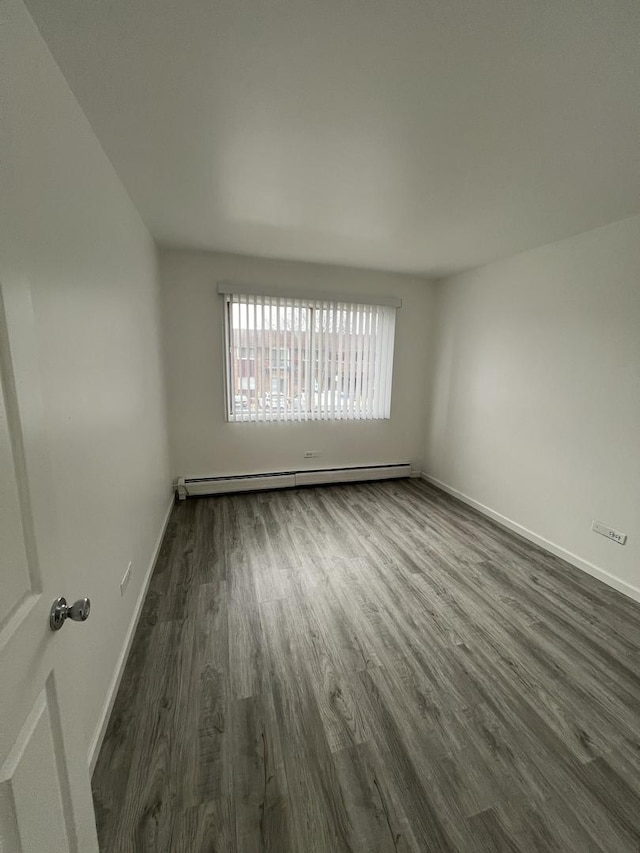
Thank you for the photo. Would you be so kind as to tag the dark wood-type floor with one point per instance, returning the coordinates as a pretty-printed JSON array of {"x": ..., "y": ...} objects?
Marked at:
[{"x": 371, "y": 668}]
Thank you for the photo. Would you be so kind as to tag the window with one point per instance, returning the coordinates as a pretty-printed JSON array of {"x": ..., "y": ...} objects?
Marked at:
[{"x": 295, "y": 359}]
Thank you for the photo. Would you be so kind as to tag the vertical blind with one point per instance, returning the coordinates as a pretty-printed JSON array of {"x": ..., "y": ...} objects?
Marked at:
[{"x": 294, "y": 359}]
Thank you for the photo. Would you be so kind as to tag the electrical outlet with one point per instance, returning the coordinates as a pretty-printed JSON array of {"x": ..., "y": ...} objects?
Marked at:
[
  {"x": 609, "y": 532},
  {"x": 311, "y": 454},
  {"x": 125, "y": 580}
]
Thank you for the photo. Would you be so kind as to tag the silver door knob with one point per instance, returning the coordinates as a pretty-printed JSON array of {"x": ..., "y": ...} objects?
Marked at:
[{"x": 61, "y": 611}]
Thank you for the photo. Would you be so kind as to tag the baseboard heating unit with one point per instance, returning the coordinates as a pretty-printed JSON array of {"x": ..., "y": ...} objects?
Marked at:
[{"x": 193, "y": 486}]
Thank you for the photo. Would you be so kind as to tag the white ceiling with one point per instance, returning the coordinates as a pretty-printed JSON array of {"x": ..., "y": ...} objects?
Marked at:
[{"x": 397, "y": 134}]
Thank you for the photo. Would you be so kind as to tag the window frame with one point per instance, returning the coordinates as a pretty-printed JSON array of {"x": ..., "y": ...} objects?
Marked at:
[{"x": 234, "y": 296}]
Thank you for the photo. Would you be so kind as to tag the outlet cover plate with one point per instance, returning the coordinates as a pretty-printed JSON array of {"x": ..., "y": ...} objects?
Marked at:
[
  {"x": 126, "y": 577},
  {"x": 609, "y": 532}
]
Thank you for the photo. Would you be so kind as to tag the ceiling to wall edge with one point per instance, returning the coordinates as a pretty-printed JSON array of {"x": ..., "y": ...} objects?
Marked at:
[{"x": 427, "y": 277}]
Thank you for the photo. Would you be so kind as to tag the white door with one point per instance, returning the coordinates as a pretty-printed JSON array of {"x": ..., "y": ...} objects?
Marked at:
[{"x": 45, "y": 797}]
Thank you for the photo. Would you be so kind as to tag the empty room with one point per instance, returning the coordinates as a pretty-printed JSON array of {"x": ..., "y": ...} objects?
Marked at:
[{"x": 319, "y": 426}]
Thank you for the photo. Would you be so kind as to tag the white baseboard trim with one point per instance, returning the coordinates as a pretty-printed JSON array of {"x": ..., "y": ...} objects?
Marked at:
[
  {"x": 590, "y": 568},
  {"x": 101, "y": 728}
]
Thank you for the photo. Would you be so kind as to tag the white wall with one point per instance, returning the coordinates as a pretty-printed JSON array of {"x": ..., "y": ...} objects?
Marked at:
[
  {"x": 536, "y": 403},
  {"x": 68, "y": 228},
  {"x": 203, "y": 443}
]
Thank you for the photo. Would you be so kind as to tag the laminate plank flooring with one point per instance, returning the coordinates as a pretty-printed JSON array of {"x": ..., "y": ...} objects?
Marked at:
[{"x": 371, "y": 668}]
